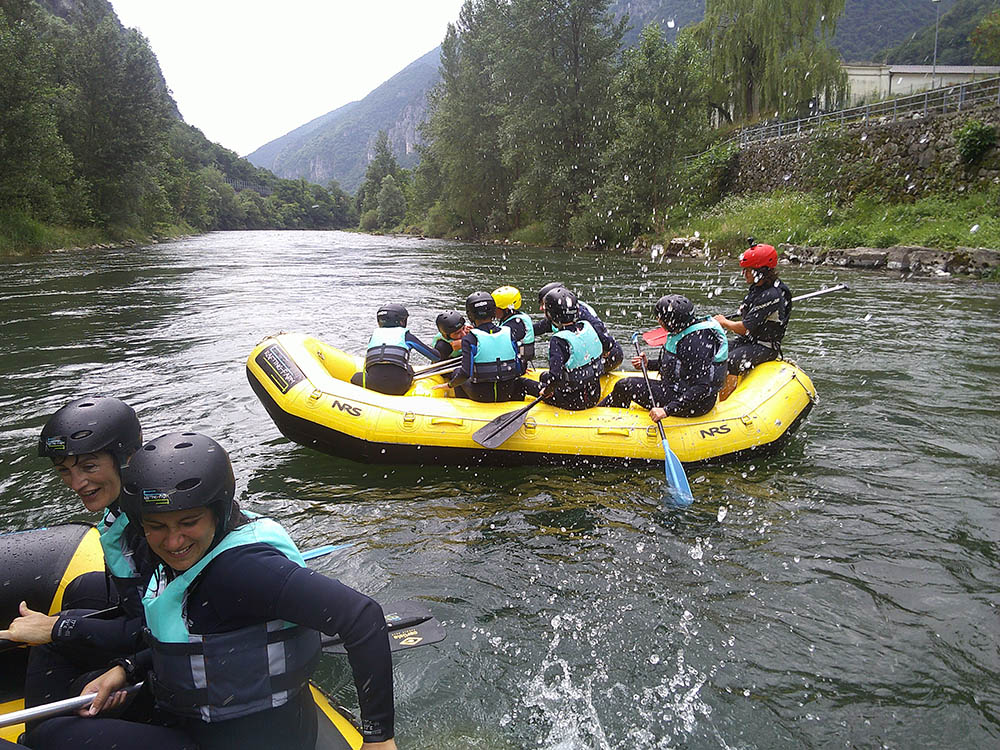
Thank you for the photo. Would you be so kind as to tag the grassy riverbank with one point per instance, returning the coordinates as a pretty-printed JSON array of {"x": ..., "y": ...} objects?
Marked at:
[
  {"x": 966, "y": 220},
  {"x": 21, "y": 235}
]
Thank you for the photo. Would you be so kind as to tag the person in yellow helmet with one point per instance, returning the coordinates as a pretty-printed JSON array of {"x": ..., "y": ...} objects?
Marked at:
[{"x": 508, "y": 302}]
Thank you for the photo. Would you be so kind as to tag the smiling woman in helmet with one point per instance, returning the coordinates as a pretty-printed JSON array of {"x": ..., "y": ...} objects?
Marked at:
[
  {"x": 234, "y": 619},
  {"x": 764, "y": 313},
  {"x": 88, "y": 441}
]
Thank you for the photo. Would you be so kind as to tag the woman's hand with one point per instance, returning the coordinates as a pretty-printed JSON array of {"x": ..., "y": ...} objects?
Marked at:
[
  {"x": 656, "y": 413},
  {"x": 638, "y": 361},
  {"x": 384, "y": 745},
  {"x": 33, "y": 628},
  {"x": 440, "y": 386},
  {"x": 110, "y": 692}
]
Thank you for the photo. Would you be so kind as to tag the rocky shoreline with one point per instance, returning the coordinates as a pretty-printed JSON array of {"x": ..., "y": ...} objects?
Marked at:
[{"x": 905, "y": 259}]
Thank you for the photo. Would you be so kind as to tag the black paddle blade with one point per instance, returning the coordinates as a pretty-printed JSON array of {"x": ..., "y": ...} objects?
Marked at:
[
  {"x": 410, "y": 625},
  {"x": 499, "y": 430}
]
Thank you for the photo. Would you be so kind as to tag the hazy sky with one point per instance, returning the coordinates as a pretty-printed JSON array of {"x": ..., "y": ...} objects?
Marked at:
[{"x": 247, "y": 71}]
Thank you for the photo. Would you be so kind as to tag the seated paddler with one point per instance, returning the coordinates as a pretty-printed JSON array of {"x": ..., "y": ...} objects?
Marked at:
[
  {"x": 509, "y": 314},
  {"x": 491, "y": 368},
  {"x": 692, "y": 365},
  {"x": 387, "y": 359},
  {"x": 576, "y": 355},
  {"x": 234, "y": 621}
]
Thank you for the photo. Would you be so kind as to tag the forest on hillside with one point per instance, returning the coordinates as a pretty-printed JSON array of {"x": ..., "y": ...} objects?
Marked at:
[
  {"x": 563, "y": 138},
  {"x": 90, "y": 138}
]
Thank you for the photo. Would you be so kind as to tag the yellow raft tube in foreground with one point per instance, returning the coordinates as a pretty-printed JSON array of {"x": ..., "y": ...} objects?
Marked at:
[{"x": 305, "y": 386}]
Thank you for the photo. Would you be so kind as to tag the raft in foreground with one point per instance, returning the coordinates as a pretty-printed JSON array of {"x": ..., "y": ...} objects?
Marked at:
[
  {"x": 305, "y": 387},
  {"x": 38, "y": 565}
]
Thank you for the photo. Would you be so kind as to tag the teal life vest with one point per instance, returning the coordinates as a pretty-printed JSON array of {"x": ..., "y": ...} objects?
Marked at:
[
  {"x": 585, "y": 353},
  {"x": 454, "y": 352},
  {"x": 526, "y": 345},
  {"x": 219, "y": 676},
  {"x": 495, "y": 358},
  {"x": 122, "y": 558},
  {"x": 387, "y": 346},
  {"x": 707, "y": 323}
]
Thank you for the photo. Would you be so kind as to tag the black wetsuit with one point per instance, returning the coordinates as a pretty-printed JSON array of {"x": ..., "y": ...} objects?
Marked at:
[
  {"x": 564, "y": 395},
  {"x": 512, "y": 389},
  {"x": 765, "y": 312},
  {"x": 613, "y": 354},
  {"x": 243, "y": 586},
  {"x": 689, "y": 380},
  {"x": 82, "y": 644}
]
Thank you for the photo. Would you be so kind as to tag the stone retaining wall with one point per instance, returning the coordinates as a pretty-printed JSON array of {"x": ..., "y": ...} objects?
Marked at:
[{"x": 906, "y": 157}]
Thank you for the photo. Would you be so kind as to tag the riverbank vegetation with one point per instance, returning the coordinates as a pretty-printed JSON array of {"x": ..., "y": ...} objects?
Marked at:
[
  {"x": 968, "y": 220},
  {"x": 567, "y": 141},
  {"x": 93, "y": 149}
]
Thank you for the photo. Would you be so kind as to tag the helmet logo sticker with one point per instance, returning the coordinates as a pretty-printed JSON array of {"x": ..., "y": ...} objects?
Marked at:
[
  {"x": 57, "y": 443},
  {"x": 155, "y": 497}
]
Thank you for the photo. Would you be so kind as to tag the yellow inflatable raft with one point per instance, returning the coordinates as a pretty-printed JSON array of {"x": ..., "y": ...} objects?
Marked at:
[{"x": 305, "y": 386}]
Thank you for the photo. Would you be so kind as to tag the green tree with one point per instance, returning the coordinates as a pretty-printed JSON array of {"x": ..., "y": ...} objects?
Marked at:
[
  {"x": 772, "y": 56},
  {"x": 462, "y": 165},
  {"x": 383, "y": 164},
  {"x": 35, "y": 161},
  {"x": 118, "y": 115},
  {"x": 391, "y": 203},
  {"x": 660, "y": 114},
  {"x": 985, "y": 40},
  {"x": 556, "y": 118}
]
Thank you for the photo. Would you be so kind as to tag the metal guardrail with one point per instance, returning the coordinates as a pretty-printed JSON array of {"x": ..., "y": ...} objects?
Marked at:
[
  {"x": 935, "y": 101},
  {"x": 240, "y": 185}
]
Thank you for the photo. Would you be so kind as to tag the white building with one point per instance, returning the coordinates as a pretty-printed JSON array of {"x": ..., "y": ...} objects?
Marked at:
[{"x": 872, "y": 83}]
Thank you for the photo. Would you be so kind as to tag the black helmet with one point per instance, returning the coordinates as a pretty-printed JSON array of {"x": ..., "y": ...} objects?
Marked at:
[
  {"x": 548, "y": 288},
  {"x": 89, "y": 425},
  {"x": 561, "y": 306},
  {"x": 449, "y": 322},
  {"x": 479, "y": 306},
  {"x": 675, "y": 312},
  {"x": 179, "y": 471},
  {"x": 392, "y": 315}
]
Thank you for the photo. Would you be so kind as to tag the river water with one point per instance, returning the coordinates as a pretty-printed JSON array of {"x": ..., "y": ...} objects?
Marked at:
[{"x": 841, "y": 593}]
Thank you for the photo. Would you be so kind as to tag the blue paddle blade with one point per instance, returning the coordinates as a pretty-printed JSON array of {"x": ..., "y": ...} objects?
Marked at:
[
  {"x": 312, "y": 554},
  {"x": 680, "y": 490}
]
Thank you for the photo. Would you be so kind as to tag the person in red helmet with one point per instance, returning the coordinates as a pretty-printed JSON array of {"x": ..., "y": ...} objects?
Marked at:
[{"x": 764, "y": 314}]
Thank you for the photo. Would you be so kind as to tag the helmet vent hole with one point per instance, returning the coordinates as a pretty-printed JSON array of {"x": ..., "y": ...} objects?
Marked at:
[
  {"x": 84, "y": 406},
  {"x": 188, "y": 434},
  {"x": 149, "y": 447},
  {"x": 132, "y": 488},
  {"x": 188, "y": 484},
  {"x": 81, "y": 434},
  {"x": 183, "y": 445}
]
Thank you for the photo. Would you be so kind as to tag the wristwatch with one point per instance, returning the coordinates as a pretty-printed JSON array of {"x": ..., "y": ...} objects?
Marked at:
[{"x": 128, "y": 664}]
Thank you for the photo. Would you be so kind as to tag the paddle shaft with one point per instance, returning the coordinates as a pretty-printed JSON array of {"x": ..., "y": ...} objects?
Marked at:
[
  {"x": 65, "y": 706},
  {"x": 649, "y": 386},
  {"x": 656, "y": 336}
]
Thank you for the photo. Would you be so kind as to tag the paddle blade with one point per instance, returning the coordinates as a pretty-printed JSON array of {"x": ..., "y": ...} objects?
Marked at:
[
  {"x": 677, "y": 482},
  {"x": 410, "y": 624},
  {"x": 497, "y": 432},
  {"x": 655, "y": 337}
]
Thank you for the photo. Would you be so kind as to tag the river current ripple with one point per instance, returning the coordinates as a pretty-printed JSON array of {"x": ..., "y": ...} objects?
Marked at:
[{"x": 840, "y": 593}]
